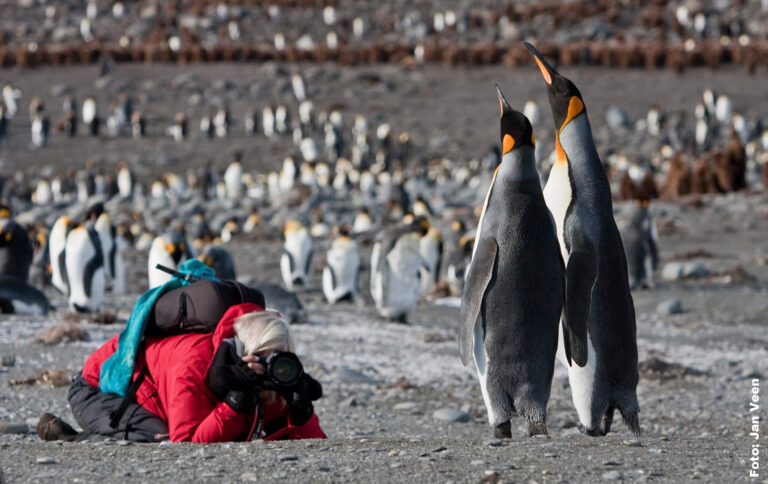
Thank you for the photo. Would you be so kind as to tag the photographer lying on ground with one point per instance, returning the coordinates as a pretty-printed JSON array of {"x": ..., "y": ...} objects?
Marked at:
[{"x": 236, "y": 384}]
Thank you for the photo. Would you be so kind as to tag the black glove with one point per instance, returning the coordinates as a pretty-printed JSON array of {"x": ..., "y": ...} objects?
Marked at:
[
  {"x": 229, "y": 373},
  {"x": 300, "y": 398},
  {"x": 241, "y": 402}
]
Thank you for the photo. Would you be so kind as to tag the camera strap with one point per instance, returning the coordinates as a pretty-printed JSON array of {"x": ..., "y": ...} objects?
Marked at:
[{"x": 259, "y": 427}]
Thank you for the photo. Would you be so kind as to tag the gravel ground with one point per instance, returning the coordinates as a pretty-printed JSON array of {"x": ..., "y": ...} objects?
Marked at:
[{"x": 384, "y": 383}]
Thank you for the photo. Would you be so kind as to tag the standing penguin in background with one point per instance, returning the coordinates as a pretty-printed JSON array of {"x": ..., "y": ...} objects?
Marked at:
[
  {"x": 515, "y": 288},
  {"x": 169, "y": 250},
  {"x": 220, "y": 260},
  {"x": 601, "y": 349},
  {"x": 640, "y": 242},
  {"x": 57, "y": 241},
  {"x": 342, "y": 265},
  {"x": 84, "y": 261},
  {"x": 296, "y": 261},
  {"x": 431, "y": 249},
  {"x": 396, "y": 265},
  {"x": 16, "y": 251}
]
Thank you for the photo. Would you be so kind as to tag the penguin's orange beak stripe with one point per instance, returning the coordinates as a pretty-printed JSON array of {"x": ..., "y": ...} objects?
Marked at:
[
  {"x": 507, "y": 144},
  {"x": 544, "y": 71}
]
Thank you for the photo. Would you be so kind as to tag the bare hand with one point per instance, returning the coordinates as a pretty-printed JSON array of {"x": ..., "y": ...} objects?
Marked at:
[{"x": 253, "y": 364}]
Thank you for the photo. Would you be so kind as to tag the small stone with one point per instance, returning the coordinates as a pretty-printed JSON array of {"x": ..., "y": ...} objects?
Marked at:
[
  {"x": 669, "y": 306},
  {"x": 211, "y": 475},
  {"x": 13, "y": 428},
  {"x": 348, "y": 375},
  {"x": 8, "y": 360},
  {"x": 124, "y": 442},
  {"x": 611, "y": 463},
  {"x": 249, "y": 477},
  {"x": 632, "y": 443},
  {"x": 493, "y": 443},
  {"x": 674, "y": 271},
  {"x": 551, "y": 454},
  {"x": 287, "y": 457},
  {"x": 451, "y": 415},
  {"x": 406, "y": 407},
  {"x": 613, "y": 476},
  {"x": 478, "y": 463},
  {"x": 439, "y": 449},
  {"x": 664, "y": 438},
  {"x": 324, "y": 469},
  {"x": 395, "y": 465},
  {"x": 393, "y": 453},
  {"x": 350, "y": 402},
  {"x": 45, "y": 460},
  {"x": 445, "y": 456}
]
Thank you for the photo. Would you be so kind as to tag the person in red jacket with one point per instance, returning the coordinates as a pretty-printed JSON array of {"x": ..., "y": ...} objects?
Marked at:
[{"x": 196, "y": 388}]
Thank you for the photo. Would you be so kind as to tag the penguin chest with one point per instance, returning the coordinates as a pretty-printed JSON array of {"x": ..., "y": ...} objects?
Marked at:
[{"x": 558, "y": 195}]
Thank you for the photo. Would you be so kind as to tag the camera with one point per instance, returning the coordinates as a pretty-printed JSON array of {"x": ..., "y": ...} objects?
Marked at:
[{"x": 283, "y": 369}]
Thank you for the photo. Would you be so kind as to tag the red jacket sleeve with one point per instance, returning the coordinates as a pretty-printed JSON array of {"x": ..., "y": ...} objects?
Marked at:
[{"x": 193, "y": 413}]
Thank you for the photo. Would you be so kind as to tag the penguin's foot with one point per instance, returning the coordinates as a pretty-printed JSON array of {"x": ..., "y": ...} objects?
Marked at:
[
  {"x": 537, "y": 428},
  {"x": 403, "y": 319},
  {"x": 503, "y": 431},
  {"x": 594, "y": 432},
  {"x": 607, "y": 420}
]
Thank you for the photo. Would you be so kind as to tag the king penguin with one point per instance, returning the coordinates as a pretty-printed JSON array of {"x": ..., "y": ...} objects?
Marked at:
[
  {"x": 342, "y": 265},
  {"x": 601, "y": 348},
  {"x": 640, "y": 242},
  {"x": 220, "y": 260},
  {"x": 84, "y": 261},
  {"x": 296, "y": 261},
  {"x": 16, "y": 251},
  {"x": 515, "y": 287},
  {"x": 169, "y": 250},
  {"x": 396, "y": 265},
  {"x": 57, "y": 240}
]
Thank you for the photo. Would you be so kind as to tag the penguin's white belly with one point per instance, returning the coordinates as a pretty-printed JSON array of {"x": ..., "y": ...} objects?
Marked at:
[
  {"x": 345, "y": 265},
  {"x": 557, "y": 196},
  {"x": 300, "y": 249},
  {"x": 481, "y": 365},
  {"x": 403, "y": 284},
  {"x": 79, "y": 251},
  {"x": 581, "y": 379}
]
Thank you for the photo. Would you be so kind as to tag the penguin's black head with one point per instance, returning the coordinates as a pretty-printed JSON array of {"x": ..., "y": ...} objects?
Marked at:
[
  {"x": 516, "y": 130},
  {"x": 564, "y": 97}
]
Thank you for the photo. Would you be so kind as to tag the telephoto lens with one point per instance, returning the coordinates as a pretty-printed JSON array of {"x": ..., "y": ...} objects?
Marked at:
[{"x": 284, "y": 368}]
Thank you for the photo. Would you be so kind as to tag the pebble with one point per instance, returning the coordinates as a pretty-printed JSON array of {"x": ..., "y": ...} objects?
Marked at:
[
  {"x": 45, "y": 460},
  {"x": 8, "y": 360},
  {"x": 632, "y": 443},
  {"x": 451, "y": 415},
  {"x": 287, "y": 457},
  {"x": 248, "y": 477},
  {"x": 393, "y": 453},
  {"x": 440, "y": 448},
  {"x": 613, "y": 476},
  {"x": 669, "y": 306},
  {"x": 611, "y": 463},
  {"x": 550, "y": 454},
  {"x": 493, "y": 443},
  {"x": 477, "y": 462},
  {"x": 124, "y": 442},
  {"x": 13, "y": 428},
  {"x": 324, "y": 469},
  {"x": 406, "y": 407},
  {"x": 348, "y": 375}
]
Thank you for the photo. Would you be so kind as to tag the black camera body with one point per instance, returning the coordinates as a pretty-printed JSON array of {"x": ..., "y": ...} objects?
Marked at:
[{"x": 283, "y": 370}]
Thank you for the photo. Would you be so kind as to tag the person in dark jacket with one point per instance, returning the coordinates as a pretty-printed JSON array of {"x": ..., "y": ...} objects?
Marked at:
[{"x": 196, "y": 388}]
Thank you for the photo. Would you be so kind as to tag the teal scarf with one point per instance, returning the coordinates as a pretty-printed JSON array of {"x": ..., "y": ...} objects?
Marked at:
[{"x": 117, "y": 372}]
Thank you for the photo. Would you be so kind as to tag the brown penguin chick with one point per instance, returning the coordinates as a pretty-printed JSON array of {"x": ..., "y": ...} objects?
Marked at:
[
  {"x": 704, "y": 179},
  {"x": 679, "y": 179},
  {"x": 627, "y": 187},
  {"x": 731, "y": 167}
]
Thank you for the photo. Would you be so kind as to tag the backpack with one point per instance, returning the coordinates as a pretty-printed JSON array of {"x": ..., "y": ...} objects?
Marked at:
[{"x": 198, "y": 307}]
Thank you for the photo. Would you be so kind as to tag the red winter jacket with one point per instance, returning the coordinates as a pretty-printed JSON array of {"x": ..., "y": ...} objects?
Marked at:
[{"x": 176, "y": 389}]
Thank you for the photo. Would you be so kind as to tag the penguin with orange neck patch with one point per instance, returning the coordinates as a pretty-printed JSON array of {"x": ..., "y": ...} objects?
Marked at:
[
  {"x": 514, "y": 290},
  {"x": 600, "y": 349}
]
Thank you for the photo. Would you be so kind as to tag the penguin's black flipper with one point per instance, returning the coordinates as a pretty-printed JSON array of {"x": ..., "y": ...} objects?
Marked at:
[
  {"x": 580, "y": 276},
  {"x": 291, "y": 261},
  {"x": 480, "y": 274}
]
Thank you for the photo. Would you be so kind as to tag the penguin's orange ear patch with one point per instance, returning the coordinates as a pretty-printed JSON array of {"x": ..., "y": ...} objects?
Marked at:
[
  {"x": 507, "y": 144},
  {"x": 575, "y": 107},
  {"x": 544, "y": 70}
]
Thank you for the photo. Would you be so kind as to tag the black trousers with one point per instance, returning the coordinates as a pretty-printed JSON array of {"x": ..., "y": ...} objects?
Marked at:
[{"x": 93, "y": 411}]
